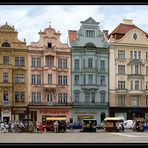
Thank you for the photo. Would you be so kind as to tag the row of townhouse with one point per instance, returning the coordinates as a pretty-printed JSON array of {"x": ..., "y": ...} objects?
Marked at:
[{"x": 93, "y": 76}]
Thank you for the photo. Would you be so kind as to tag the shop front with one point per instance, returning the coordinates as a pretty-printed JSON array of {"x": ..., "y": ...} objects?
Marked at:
[
  {"x": 19, "y": 113},
  {"x": 88, "y": 113},
  {"x": 6, "y": 114}
]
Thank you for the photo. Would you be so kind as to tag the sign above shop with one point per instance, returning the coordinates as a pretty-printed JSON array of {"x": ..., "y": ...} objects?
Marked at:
[
  {"x": 90, "y": 112},
  {"x": 54, "y": 111}
]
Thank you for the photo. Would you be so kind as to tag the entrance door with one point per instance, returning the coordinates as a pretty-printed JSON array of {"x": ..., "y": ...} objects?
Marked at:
[{"x": 6, "y": 119}]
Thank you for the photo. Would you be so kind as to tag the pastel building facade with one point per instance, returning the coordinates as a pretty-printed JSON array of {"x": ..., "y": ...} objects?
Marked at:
[
  {"x": 49, "y": 77},
  {"x": 128, "y": 83},
  {"x": 89, "y": 72}
]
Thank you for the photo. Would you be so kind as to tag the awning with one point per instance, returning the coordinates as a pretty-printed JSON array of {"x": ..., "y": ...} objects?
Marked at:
[{"x": 55, "y": 118}]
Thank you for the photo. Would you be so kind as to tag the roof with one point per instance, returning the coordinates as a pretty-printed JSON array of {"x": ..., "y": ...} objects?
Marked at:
[
  {"x": 72, "y": 35},
  {"x": 122, "y": 29}
]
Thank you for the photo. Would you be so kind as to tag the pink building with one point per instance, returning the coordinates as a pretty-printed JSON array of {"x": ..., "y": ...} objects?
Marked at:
[{"x": 49, "y": 77}]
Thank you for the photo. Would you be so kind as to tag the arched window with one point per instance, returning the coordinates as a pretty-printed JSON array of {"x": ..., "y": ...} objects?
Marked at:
[{"x": 6, "y": 44}]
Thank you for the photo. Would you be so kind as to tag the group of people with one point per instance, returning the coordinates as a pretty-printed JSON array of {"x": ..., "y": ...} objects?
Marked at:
[{"x": 60, "y": 126}]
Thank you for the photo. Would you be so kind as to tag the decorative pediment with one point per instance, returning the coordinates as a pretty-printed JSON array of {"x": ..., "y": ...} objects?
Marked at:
[
  {"x": 90, "y": 20},
  {"x": 135, "y": 62}
]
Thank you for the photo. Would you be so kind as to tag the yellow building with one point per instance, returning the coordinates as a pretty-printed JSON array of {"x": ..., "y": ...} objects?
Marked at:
[
  {"x": 13, "y": 75},
  {"x": 128, "y": 89}
]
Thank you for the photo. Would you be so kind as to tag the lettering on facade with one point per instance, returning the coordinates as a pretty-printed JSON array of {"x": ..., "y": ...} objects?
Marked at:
[{"x": 45, "y": 111}]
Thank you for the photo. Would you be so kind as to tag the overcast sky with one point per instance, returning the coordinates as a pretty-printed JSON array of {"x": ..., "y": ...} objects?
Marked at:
[{"x": 28, "y": 20}]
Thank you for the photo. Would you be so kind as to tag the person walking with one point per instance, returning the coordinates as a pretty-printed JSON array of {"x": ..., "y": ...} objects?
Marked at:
[
  {"x": 41, "y": 128},
  {"x": 56, "y": 126}
]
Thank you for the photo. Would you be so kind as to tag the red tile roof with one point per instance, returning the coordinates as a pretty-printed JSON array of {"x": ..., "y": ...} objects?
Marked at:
[
  {"x": 72, "y": 35},
  {"x": 122, "y": 29}
]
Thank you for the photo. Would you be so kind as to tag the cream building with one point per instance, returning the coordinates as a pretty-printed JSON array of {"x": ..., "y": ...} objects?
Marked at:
[
  {"x": 13, "y": 75},
  {"x": 128, "y": 76},
  {"x": 49, "y": 77}
]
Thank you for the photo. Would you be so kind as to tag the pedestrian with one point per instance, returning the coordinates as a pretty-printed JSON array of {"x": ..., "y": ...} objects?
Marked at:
[
  {"x": 56, "y": 126},
  {"x": 41, "y": 127}
]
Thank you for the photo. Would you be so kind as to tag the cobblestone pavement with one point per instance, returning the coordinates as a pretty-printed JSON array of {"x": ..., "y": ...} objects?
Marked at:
[{"x": 75, "y": 136}]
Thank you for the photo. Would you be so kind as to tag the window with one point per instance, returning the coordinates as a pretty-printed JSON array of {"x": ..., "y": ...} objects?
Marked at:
[
  {"x": 5, "y": 59},
  {"x": 90, "y": 79},
  {"x": 5, "y": 96},
  {"x": 102, "y": 65},
  {"x": 6, "y": 44},
  {"x": 102, "y": 97},
  {"x": 135, "y": 101},
  {"x": 19, "y": 61},
  {"x": 135, "y": 54},
  {"x": 19, "y": 78},
  {"x": 102, "y": 80},
  {"x": 83, "y": 63},
  {"x": 76, "y": 94},
  {"x": 77, "y": 64},
  {"x": 90, "y": 33},
  {"x": 36, "y": 62},
  {"x": 146, "y": 55},
  {"x": 121, "y": 54},
  {"x": 76, "y": 80},
  {"x": 136, "y": 85},
  {"x": 62, "y": 98},
  {"x": 36, "y": 79},
  {"x": 92, "y": 97},
  {"x": 121, "y": 69},
  {"x": 49, "y": 78},
  {"x": 146, "y": 101},
  {"x": 136, "y": 69},
  {"x": 5, "y": 77},
  {"x": 49, "y": 45},
  {"x": 146, "y": 70},
  {"x": 121, "y": 85},
  {"x": 59, "y": 63},
  {"x": 19, "y": 96},
  {"x": 146, "y": 85},
  {"x": 87, "y": 96},
  {"x": 139, "y": 54},
  {"x": 131, "y": 85},
  {"x": 64, "y": 63},
  {"x": 84, "y": 79},
  {"x": 131, "y": 54},
  {"x": 90, "y": 63},
  {"x": 36, "y": 97},
  {"x": 49, "y": 61},
  {"x": 121, "y": 100},
  {"x": 62, "y": 80},
  {"x": 49, "y": 98}
]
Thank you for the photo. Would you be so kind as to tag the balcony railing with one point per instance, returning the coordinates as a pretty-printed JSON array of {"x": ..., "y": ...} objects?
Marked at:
[
  {"x": 90, "y": 103},
  {"x": 6, "y": 103}
]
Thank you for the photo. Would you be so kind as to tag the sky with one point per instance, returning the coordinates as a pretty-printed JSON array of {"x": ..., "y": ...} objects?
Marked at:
[{"x": 28, "y": 20}]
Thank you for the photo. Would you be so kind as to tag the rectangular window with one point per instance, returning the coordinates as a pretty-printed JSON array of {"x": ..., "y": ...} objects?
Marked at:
[
  {"x": 19, "y": 96},
  {"x": 49, "y": 78},
  {"x": 83, "y": 63},
  {"x": 102, "y": 97},
  {"x": 76, "y": 80},
  {"x": 36, "y": 79},
  {"x": 136, "y": 85},
  {"x": 121, "y": 54},
  {"x": 5, "y": 59},
  {"x": 64, "y": 63},
  {"x": 38, "y": 62},
  {"x": 49, "y": 61},
  {"x": 131, "y": 54},
  {"x": 5, "y": 77},
  {"x": 59, "y": 63},
  {"x": 49, "y": 98},
  {"x": 92, "y": 97},
  {"x": 64, "y": 80},
  {"x": 121, "y": 69},
  {"x": 90, "y": 79},
  {"x": 90, "y": 63},
  {"x": 139, "y": 54},
  {"x": 77, "y": 66},
  {"x": 121, "y": 85},
  {"x": 77, "y": 94},
  {"x": 146, "y": 85},
  {"x": 146, "y": 101},
  {"x": 135, "y": 54},
  {"x": 33, "y": 62},
  {"x": 102, "y": 65},
  {"x": 135, "y": 101},
  {"x": 60, "y": 80},
  {"x": 146, "y": 56},
  {"x": 36, "y": 97},
  {"x": 136, "y": 69},
  {"x": 121, "y": 100},
  {"x": 87, "y": 96},
  {"x": 90, "y": 33},
  {"x": 5, "y": 96},
  {"x": 19, "y": 78},
  {"x": 84, "y": 79},
  {"x": 102, "y": 80},
  {"x": 146, "y": 70},
  {"x": 19, "y": 61},
  {"x": 131, "y": 85}
]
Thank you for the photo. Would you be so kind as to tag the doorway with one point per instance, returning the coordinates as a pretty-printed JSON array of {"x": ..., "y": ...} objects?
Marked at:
[{"x": 6, "y": 119}]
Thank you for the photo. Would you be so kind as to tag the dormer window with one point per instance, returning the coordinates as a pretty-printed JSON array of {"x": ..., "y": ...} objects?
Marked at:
[
  {"x": 49, "y": 45},
  {"x": 90, "y": 33},
  {"x": 6, "y": 44}
]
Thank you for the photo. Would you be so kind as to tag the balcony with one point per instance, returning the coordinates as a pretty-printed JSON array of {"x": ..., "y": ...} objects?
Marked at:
[
  {"x": 136, "y": 92},
  {"x": 90, "y": 86},
  {"x": 49, "y": 68},
  {"x": 121, "y": 91},
  {"x": 6, "y": 103},
  {"x": 89, "y": 70},
  {"x": 135, "y": 76},
  {"x": 105, "y": 104},
  {"x": 62, "y": 69},
  {"x": 49, "y": 86},
  {"x": 5, "y": 84}
]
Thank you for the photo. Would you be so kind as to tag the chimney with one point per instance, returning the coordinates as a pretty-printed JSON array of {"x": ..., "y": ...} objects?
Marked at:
[
  {"x": 127, "y": 21},
  {"x": 105, "y": 33}
]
